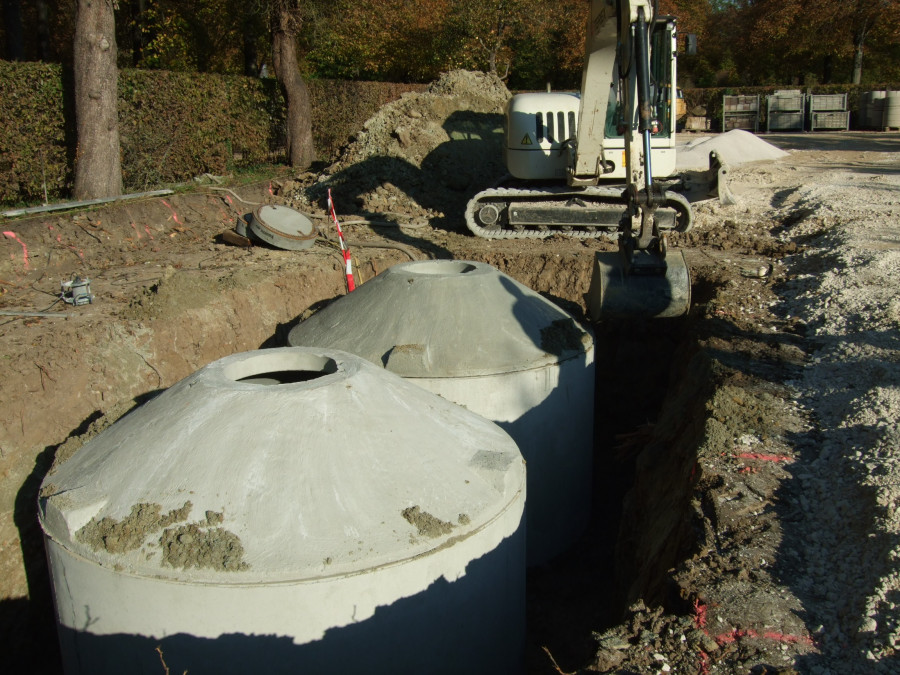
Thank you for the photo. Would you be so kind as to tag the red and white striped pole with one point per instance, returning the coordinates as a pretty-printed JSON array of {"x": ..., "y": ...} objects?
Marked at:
[{"x": 351, "y": 285}]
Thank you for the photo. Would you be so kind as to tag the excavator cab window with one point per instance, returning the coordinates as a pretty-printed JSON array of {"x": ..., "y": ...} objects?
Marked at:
[{"x": 661, "y": 65}]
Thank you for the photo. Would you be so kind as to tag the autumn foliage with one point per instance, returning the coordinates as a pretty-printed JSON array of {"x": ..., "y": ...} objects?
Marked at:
[
  {"x": 529, "y": 42},
  {"x": 790, "y": 42}
]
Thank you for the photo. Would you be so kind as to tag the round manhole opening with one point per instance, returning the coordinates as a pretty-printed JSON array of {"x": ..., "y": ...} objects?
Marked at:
[
  {"x": 281, "y": 368},
  {"x": 438, "y": 267}
]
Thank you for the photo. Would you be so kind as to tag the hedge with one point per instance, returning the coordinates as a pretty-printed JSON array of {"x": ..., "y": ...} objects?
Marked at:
[{"x": 172, "y": 126}]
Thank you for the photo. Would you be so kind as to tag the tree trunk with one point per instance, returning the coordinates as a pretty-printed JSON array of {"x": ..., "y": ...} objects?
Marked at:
[
  {"x": 285, "y": 25},
  {"x": 249, "y": 33},
  {"x": 43, "y": 31},
  {"x": 12, "y": 18},
  {"x": 857, "y": 64},
  {"x": 858, "y": 41},
  {"x": 827, "y": 69},
  {"x": 98, "y": 171},
  {"x": 138, "y": 9},
  {"x": 251, "y": 68}
]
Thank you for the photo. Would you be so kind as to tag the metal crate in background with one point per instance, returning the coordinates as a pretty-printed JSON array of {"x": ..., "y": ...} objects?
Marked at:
[
  {"x": 827, "y": 102},
  {"x": 740, "y": 112},
  {"x": 784, "y": 121},
  {"x": 831, "y": 119},
  {"x": 784, "y": 111},
  {"x": 828, "y": 111}
]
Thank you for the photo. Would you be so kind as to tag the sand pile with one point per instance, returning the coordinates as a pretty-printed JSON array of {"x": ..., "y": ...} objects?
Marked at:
[{"x": 734, "y": 148}]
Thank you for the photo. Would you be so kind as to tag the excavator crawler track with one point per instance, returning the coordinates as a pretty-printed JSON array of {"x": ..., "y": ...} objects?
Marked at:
[{"x": 580, "y": 213}]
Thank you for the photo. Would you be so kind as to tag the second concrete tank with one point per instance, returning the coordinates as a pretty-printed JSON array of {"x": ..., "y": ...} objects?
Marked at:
[{"x": 477, "y": 337}]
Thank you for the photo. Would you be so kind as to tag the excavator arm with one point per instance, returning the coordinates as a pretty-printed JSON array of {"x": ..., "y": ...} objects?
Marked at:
[{"x": 642, "y": 278}]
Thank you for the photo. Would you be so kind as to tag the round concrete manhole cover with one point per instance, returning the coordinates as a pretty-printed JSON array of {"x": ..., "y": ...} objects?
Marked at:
[{"x": 283, "y": 227}]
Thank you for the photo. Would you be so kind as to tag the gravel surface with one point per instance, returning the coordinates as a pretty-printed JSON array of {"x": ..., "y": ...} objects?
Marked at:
[
  {"x": 845, "y": 291},
  {"x": 835, "y": 563}
]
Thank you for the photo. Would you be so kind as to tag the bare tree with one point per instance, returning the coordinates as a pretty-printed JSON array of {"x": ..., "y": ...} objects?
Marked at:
[
  {"x": 286, "y": 20},
  {"x": 98, "y": 171}
]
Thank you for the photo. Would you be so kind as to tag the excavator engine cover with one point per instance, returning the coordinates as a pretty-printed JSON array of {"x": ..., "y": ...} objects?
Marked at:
[{"x": 620, "y": 291}]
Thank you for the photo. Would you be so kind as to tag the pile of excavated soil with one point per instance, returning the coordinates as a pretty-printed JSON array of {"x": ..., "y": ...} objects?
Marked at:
[
  {"x": 421, "y": 157},
  {"x": 847, "y": 491}
]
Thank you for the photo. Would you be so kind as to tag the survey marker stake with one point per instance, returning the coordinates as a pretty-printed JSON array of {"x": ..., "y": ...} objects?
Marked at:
[{"x": 351, "y": 285}]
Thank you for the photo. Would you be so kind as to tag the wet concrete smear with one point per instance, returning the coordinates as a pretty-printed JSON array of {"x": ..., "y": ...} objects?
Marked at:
[{"x": 128, "y": 534}]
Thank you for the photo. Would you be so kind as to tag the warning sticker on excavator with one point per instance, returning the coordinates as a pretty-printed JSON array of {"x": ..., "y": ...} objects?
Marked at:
[{"x": 526, "y": 140}]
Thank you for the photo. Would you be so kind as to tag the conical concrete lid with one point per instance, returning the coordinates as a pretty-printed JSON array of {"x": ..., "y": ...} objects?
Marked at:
[
  {"x": 446, "y": 318},
  {"x": 281, "y": 464}
]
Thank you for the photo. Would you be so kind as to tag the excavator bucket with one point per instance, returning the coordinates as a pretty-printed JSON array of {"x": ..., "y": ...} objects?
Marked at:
[{"x": 616, "y": 292}]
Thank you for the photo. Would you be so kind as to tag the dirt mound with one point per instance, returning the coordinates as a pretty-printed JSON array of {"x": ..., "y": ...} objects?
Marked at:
[{"x": 420, "y": 157}]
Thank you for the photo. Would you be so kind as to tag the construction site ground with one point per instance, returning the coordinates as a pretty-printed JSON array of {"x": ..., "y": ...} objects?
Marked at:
[{"x": 747, "y": 466}]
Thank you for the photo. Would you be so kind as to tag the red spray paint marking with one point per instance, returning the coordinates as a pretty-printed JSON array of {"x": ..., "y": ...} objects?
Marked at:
[
  {"x": 735, "y": 634},
  {"x": 228, "y": 199},
  {"x": 699, "y": 614},
  {"x": 765, "y": 458},
  {"x": 790, "y": 639},
  {"x": 13, "y": 235},
  {"x": 174, "y": 215},
  {"x": 136, "y": 231},
  {"x": 700, "y": 620},
  {"x": 704, "y": 662},
  {"x": 147, "y": 230},
  {"x": 270, "y": 189}
]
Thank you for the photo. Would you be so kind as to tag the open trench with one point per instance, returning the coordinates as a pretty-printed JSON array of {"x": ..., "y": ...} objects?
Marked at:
[{"x": 651, "y": 389}]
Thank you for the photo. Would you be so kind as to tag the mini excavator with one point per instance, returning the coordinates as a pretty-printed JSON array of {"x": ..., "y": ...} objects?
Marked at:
[{"x": 594, "y": 164}]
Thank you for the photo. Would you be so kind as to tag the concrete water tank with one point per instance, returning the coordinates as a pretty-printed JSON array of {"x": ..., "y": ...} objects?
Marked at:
[
  {"x": 876, "y": 110},
  {"x": 891, "y": 118},
  {"x": 287, "y": 511},
  {"x": 477, "y": 337}
]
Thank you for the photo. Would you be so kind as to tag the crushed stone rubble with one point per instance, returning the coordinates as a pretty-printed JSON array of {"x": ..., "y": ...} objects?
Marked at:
[{"x": 848, "y": 476}]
